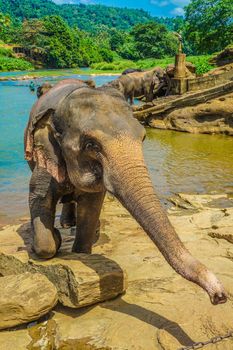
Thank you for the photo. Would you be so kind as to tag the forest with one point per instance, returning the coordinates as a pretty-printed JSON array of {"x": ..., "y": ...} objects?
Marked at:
[{"x": 67, "y": 36}]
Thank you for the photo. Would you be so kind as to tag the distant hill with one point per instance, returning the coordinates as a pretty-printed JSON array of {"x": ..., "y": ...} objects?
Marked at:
[{"x": 86, "y": 17}]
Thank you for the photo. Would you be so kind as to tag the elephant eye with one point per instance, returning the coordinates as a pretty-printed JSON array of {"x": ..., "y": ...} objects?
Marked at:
[{"x": 91, "y": 146}]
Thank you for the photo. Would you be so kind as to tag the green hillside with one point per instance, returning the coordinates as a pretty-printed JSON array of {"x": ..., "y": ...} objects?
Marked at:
[{"x": 85, "y": 17}]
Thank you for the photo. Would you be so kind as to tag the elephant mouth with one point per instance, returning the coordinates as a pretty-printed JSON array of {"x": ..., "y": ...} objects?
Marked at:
[
  {"x": 96, "y": 169},
  {"x": 89, "y": 178}
]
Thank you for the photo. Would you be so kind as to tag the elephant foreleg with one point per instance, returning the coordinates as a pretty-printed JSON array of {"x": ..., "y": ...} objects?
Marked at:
[
  {"x": 88, "y": 212},
  {"x": 43, "y": 198}
]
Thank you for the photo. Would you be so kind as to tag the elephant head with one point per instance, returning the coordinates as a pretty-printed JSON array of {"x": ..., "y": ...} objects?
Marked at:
[{"x": 97, "y": 144}]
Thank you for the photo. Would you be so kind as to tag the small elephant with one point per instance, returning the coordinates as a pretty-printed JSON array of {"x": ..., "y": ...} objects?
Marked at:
[
  {"x": 81, "y": 142},
  {"x": 42, "y": 89}
]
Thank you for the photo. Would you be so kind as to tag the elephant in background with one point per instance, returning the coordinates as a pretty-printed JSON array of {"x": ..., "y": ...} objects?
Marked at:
[
  {"x": 137, "y": 84},
  {"x": 131, "y": 70},
  {"x": 42, "y": 89},
  {"x": 81, "y": 142}
]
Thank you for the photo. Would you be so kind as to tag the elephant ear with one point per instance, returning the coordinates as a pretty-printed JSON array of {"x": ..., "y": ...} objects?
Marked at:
[
  {"x": 42, "y": 145},
  {"x": 41, "y": 140}
]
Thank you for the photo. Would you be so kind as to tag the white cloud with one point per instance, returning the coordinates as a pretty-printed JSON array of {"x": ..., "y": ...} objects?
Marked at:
[
  {"x": 162, "y": 3},
  {"x": 180, "y": 3},
  {"x": 178, "y": 11}
]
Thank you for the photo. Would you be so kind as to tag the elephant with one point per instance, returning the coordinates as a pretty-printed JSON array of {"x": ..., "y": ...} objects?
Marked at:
[
  {"x": 81, "y": 142},
  {"x": 138, "y": 84},
  {"x": 131, "y": 70},
  {"x": 41, "y": 90}
]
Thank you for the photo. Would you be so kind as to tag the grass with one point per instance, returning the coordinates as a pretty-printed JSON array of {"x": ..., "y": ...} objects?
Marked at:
[{"x": 201, "y": 62}]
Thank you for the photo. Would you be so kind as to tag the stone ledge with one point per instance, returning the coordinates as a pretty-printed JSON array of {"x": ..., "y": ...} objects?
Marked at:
[{"x": 80, "y": 279}]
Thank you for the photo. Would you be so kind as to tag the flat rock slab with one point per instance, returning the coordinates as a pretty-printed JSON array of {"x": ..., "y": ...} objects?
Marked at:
[
  {"x": 80, "y": 279},
  {"x": 25, "y": 298}
]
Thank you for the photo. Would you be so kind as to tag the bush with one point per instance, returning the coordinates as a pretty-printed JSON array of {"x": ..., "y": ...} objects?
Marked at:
[
  {"x": 201, "y": 62},
  {"x": 153, "y": 62},
  {"x": 10, "y": 64},
  {"x": 5, "y": 52},
  {"x": 114, "y": 66},
  {"x": 106, "y": 54}
]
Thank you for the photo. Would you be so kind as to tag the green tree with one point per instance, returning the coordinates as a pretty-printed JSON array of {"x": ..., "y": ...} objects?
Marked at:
[
  {"x": 209, "y": 24},
  {"x": 154, "y": 40},
  {"x": 5, "y": 21},
  {"x": 33, "y": 33},
  {"x": 61, "y": 44},
  {"x": 117, "y": 38}
]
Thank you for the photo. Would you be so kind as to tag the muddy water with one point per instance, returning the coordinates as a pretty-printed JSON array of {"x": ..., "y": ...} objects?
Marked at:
[
  {"x": 181, "y": 162},
  {"x": 177, "y": 162}
]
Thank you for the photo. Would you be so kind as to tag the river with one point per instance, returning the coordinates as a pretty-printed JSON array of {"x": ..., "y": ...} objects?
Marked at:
[{"x": 178, "y": 162}]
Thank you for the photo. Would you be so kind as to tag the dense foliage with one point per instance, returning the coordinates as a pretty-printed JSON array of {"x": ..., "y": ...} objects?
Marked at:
[
  {"x": 209, "y": 24},
  {"x": 86, "y": 18},
  {"x": 10, "y": 64},
  {"x": 154, "y": 40},
  {"x": 60, "y": 36}
]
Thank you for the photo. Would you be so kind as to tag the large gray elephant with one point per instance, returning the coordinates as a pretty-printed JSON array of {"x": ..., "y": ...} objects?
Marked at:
[
  {"x": 137, "y": 84},
  {"x": 81, "y": 142}
]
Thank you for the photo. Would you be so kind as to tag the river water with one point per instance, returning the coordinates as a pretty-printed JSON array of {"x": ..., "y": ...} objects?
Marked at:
[{"x": 178, "y": 162}]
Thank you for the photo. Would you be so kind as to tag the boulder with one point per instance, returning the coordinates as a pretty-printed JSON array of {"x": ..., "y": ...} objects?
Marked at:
[
  {"x": 212, "y": 117},
  {"x": 80, "y": 279},
  {"x": 25, "y": 298}
]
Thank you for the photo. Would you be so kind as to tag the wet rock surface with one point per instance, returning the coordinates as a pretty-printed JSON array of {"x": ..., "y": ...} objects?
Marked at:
[
  {"x": 212, "y": 117},
  {"x": 24, "y": 298},
  {"x": 160, "y": 310}
]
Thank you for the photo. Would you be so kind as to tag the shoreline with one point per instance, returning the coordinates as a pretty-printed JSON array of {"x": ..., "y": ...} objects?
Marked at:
[{"x": 55, "y": 75}]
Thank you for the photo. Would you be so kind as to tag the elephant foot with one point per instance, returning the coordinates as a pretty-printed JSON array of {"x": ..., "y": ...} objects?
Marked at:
[
  {"x": 85, "y": 246},
  {"x": 81, "y": 249},
  {"x": 45, "y": 242}
]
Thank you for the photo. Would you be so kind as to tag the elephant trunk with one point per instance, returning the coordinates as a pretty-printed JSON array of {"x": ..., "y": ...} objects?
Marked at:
[{"x": 129, "y": 181}]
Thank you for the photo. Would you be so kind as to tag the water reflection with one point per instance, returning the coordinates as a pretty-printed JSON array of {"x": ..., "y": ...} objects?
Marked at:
[{"x": 181, "y": 162}]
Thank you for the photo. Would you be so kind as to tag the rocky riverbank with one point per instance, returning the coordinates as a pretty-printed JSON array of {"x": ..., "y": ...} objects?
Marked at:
[
  {"x": 159, "y": 310},
  {"x": 212, "y": 117}
]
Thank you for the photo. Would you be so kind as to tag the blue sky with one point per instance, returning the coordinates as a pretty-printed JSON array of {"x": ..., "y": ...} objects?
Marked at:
[{"x": 165, "y": 8}]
